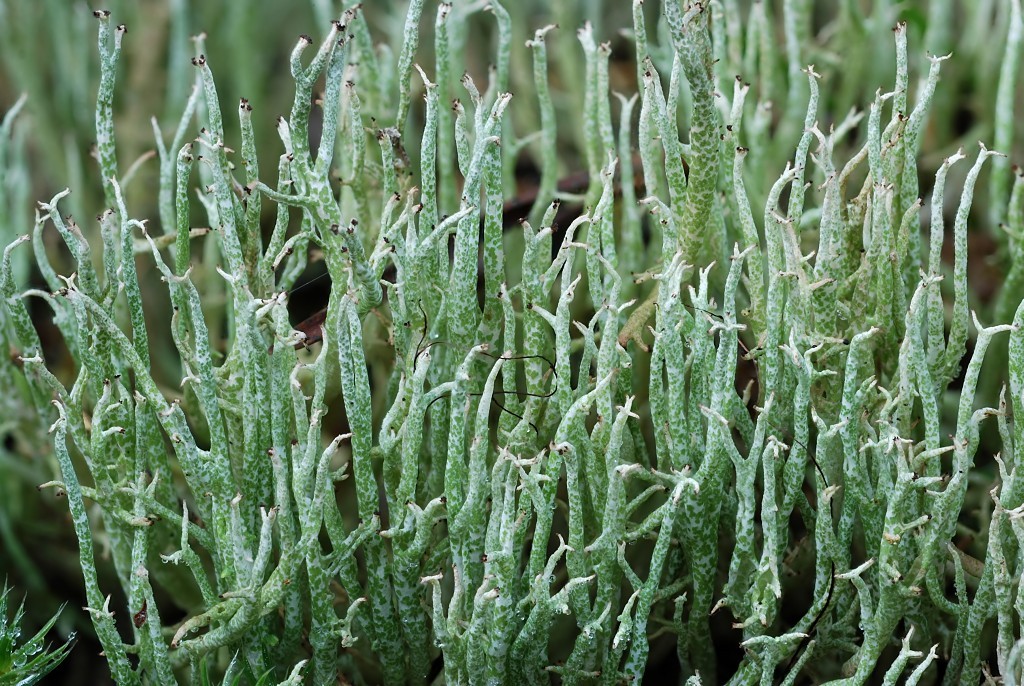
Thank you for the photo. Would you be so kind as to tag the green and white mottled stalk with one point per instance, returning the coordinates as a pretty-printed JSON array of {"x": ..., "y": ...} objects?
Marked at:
[{"x": 734, "y": 389}]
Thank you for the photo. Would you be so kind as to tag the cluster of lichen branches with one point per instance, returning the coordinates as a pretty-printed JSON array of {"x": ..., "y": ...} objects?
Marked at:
[{"x": 549, "y": 465}]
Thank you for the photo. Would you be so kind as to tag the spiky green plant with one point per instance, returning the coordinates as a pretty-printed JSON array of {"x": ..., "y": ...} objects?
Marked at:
[
  {"x": 23, "y": 663},
  {"x": 658, "y": 432}
]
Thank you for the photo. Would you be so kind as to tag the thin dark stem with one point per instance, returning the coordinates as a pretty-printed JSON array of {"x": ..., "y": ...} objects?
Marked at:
[{"x": 517, "y": 416}]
